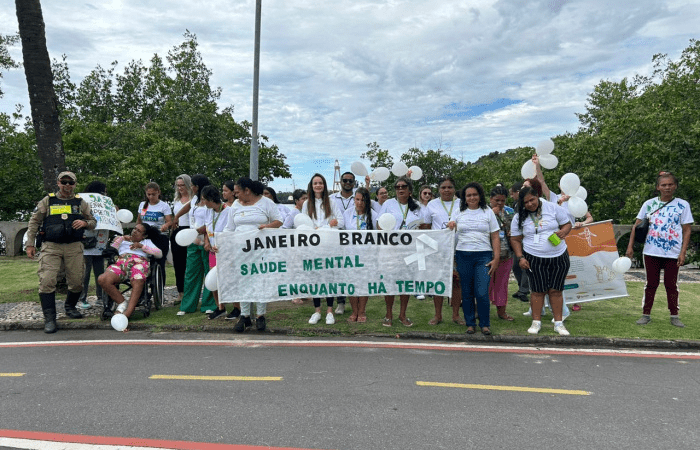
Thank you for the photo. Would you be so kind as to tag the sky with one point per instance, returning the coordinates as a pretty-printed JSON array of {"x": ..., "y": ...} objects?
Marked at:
[{"x": 469, "y": 77}]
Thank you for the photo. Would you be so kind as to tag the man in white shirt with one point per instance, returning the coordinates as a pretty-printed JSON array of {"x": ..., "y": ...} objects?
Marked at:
[{"x": 345, "y": 199}]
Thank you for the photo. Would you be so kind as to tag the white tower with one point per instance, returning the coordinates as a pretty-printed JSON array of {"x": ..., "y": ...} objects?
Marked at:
[{"x": 336, "y": 177}]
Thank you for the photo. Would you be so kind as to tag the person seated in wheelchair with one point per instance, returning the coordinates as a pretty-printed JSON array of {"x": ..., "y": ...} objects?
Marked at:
[{"x": 132, "y": 266}]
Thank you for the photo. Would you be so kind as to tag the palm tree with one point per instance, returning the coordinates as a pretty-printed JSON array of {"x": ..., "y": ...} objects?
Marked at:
[{"x": 42, "y": 97}]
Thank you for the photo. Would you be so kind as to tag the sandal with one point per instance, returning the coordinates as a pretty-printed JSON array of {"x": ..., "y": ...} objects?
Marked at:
[
  {"x": 361, "y": 318},
  {"x": 486, "y": 331},
  {"x": 435, "y": 321},
  {"x": 459, "y": 321},
  {"x": 470, "y": 330},
  {"x": 386, "y": 322},
  {"x": 406, "y": 322},
  {"x": 298, "y": 301},
  {"x": 352, "y": 318},
  {"x": 506, "y": 317}
]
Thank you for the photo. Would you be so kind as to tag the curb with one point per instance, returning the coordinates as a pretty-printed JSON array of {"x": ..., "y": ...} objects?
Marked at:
[{"x": 575, "y": 341}]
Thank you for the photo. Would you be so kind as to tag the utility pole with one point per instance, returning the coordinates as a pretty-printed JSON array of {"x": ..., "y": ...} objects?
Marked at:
[{"x": 256, "y": 85}]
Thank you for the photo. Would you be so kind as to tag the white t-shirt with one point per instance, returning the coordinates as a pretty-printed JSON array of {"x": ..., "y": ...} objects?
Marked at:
[
  {"x": 154, "y": 215},
  {"x": 344, "y": 204},
  {"x": 438, "y": 213},
  {"x": 289, "y": 220},
  {"x": 216, "y": 222},
  {"x": 665, "y": 237},
  {"x": 474, "y": 228},
  {"x": 184, "y": 220},
  {"x": 262, "y": 212},
  {"x": 125, "y": 247},
  {"x": 405, "y": 218},
  {"x": 198, "y": 217},
  {"x": 321, "y": 221},
  {"x": 354, "y": 221},
  {"x": 284, "y": 211},
  {"x": 535, "y": 239},
  {"x": 376, "y": 207}
]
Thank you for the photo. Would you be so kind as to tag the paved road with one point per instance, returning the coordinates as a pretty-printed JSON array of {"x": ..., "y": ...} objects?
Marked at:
[{"x": 347, "y": 394}]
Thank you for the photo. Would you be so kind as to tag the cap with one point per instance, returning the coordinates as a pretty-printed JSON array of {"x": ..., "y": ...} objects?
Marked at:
[{"x": 70, "y": 175}]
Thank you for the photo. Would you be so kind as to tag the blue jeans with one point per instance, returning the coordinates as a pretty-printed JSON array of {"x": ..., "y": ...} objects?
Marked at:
[{"x": 474, "y": 279}]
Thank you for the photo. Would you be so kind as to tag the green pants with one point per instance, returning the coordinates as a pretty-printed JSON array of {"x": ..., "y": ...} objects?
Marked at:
[{"x": 197, "y": 268}]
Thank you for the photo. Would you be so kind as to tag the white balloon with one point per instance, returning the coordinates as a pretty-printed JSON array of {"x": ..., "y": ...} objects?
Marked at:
[
  {"x": 569, "y": 183},
  {"x": 416, "y": 172},
  {"x": 302, "y": 219},
  {"x": 119, "y": 322},
  {"x": 304, "y": 227},
  {"x": 577, "y": 206},
  {"x": 211, "y": 281},
  {"x": 549, "y": 161},
  {"x": 399, "y": 169},
  {"x": 359, "y": 169},
  {"x": 125, "y": 216},
  {"x": 387, "y": 221},
  {"x": 186, "y": 237},
  {"x": 528, "y": 170},
  {"x": 582, "y": 193},
  {"x": 545, "y": 147},
  {"x": 621, "y": 265},
  {"x": 380, "y": 174}
]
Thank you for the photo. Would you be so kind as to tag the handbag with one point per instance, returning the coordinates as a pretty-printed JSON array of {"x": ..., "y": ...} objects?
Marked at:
[
  {"x": 641, "y": 230},
  {"x": 89, "y": 242},
  {"x": 503, "y": 238}
]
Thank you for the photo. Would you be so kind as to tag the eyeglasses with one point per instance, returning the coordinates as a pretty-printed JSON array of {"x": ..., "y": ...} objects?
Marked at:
[
  {"x": 65, "y": 182},
  {"x": 347, "y": 180},
  {"x": 401, "y": 186}
]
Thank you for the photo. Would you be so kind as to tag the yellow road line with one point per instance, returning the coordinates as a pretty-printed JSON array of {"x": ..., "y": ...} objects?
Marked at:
[
  {"x": 12, "y": 374},
  {"x": 503, "y": 388},
  {"x": 212, "y": 378}
]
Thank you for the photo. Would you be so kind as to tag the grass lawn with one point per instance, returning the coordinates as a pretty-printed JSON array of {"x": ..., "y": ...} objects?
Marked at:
[{"x": 607, "y": 318}]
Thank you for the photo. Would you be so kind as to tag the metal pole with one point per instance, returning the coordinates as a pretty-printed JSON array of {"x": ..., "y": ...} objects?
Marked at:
[{"x": 256, "y": 83}]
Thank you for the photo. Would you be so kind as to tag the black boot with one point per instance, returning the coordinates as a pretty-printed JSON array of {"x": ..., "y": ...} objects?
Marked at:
[
  {"x": 48, "y": 305},
  {"x": 107, "y": 307},
  {"x": 71, "y": 301}
]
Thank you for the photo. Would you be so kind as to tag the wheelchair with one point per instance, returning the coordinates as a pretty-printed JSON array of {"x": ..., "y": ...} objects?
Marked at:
[{"x": 152, "y": 295}]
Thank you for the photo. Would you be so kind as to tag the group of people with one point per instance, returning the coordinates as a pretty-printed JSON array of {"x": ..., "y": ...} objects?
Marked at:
[{"x": 491, "y": 240}]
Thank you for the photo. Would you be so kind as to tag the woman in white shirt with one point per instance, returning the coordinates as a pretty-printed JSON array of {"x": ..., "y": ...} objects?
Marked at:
[
  {"x": 324, "y": 214},
  {"x": 477, "y": 254},
  {"x": 299, "y": 196},
  {"x": 409, "y": 216},
  {"x": 183, "y": 195},
  {"x": 252, "y": 211},
  {"x": 438, "y": 214},
  {"x": 272, "y": 195},
  {"x": 197, "y": 257},
  {"x": 360, "y": 217},
  {"x": 537, "y": 236},
  {"x": 217, "y": 219}
]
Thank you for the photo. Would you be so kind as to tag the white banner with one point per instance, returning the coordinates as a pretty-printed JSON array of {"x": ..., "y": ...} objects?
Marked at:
[
  {"x": 275, "y": 264},
  {"x": 592, "y": 249},
  {"x": 105, "y": 212}
]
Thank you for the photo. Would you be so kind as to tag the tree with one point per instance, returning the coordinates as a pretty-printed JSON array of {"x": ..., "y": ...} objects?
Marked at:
[
  {"x": 42, "y": 98},
  {"x": 6, "y": 61}
]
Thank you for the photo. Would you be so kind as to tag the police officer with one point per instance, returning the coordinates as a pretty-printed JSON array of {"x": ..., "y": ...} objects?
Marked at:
[{"x": 63, "y": 217}]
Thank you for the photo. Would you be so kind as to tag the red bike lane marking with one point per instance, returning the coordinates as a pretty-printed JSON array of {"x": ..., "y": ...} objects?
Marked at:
[{"x": 129, "y": 441}]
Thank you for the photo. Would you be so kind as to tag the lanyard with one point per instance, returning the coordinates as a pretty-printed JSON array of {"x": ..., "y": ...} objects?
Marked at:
[
  {"x": 405, "y": 213},
  {"x": 357, "y": 220},
  {"x": 216, "y": 217},
  {"x": 536, "y": 219},
  {"x": 345, "y": 206},
  {"x": 449, "y": 213}
]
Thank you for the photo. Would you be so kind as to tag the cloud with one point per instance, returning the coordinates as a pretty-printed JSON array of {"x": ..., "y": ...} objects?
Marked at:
[{"x": 474, "y": 76}]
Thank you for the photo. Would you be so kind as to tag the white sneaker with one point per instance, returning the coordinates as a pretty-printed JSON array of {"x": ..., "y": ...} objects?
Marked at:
[
  {"x": 330, "y": 320},
  {"x": 315, "y": 317},
  {"x": 527, "y": 313},
  {"x": 208, "y": 311},
  {"x": 420, "y": 297},
  {"x": 181, "y": 313},
  {"x": 340, "y": 310},
  {"x": 122, "y": 306},
  {"x": 561, "y": 329},
  {"x": 535, "y": 327}
]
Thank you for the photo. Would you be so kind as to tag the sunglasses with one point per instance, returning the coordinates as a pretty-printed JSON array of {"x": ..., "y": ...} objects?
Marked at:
[
  {"x": 347, "y": 180},
  {"x": 401, "y": 186},
  {"x": 65, "y": 182}
]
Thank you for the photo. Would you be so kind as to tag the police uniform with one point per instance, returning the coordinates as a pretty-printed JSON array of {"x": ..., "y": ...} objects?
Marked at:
[{"x": 61, "y": 246}]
